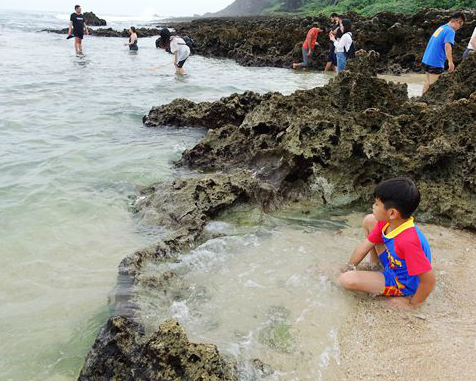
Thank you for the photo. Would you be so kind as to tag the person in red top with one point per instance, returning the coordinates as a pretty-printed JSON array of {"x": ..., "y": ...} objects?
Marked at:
[
  {"x": 308, "y": 47},
  {"x": 395, "y": 243}
]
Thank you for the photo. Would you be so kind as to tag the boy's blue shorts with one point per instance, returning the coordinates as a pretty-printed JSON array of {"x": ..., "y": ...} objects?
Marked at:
[{"x": 393, "y": 287}]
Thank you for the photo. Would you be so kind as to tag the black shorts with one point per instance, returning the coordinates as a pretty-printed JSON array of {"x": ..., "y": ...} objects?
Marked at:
[
  {"x": 181, "y": 63},
  {"x": 78, "y": 35},
  {"x": 433, "y": 70},
  {"x": 332, "y": 56}
]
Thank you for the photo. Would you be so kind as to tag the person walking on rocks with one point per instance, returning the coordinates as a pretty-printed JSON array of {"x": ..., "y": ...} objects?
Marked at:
[
  {"x": 77, "y": 28},
  {"x": 175, "y": 45},
  {"x": 471, "y": 46},
  {"x": 440, "y": 49},
  {"x": 342, "y": 45},
  {"x": 308, "y": 47},
  {"x": 335, "y": 30}
]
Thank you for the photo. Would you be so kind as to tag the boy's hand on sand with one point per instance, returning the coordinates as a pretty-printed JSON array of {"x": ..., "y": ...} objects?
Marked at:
[{"x": 348, "y": 267}]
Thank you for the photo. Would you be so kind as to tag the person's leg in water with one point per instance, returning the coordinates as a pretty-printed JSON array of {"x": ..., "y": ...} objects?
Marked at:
[
  {"x": 78, "y": 45},
  {"x": 305, "y": 60},
  {"x": 179, "y": 67}
]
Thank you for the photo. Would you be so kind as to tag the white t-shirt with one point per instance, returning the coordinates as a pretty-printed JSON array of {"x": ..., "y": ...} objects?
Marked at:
[
  {"x": 343, "y": 45},
  {"x": 469, "y": 45},
  {"x": 178, "y": 45}
]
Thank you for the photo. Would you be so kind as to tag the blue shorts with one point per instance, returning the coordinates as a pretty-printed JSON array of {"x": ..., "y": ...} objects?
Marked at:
[{"x": 393, "y": 287}]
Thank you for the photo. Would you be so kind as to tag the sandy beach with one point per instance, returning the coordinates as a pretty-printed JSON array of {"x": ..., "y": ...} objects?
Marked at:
[{"x": 435, "y": 342}]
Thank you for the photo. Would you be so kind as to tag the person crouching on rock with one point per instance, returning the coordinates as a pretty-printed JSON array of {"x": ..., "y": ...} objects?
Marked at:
[
  {"x": 308, "y": 47},
  {"x": 132, "y": 39},
  {"x": 440, "y": 48},
  {"x": 177, "y": 46},
  {"x": 342, "y": 44},
  {"x": 395, "y": 243}
]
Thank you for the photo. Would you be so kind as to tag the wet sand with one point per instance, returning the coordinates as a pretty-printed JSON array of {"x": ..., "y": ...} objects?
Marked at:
[{"x": 435, "y": 342}]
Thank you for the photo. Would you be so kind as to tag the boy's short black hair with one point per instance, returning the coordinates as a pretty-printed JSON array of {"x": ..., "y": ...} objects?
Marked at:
[
  {"x": 334, "y": 14},
  {"x": 76, "y": 7},
  {"x": 458, "y": 16},
  {"x": 400, "y": 193}
]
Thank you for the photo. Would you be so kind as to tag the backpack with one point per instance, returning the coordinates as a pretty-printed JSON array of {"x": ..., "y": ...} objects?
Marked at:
[
  {"x": 351, "y": 52},
  {"x": 189, "y": 42}
]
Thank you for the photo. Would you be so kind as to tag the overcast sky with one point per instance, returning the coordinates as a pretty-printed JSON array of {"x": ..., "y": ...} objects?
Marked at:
[{"x": 122, "y": 7}]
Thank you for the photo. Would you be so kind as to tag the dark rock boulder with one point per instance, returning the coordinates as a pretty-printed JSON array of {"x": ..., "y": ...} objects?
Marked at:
[
  {"x": 364, "y": 63},
  {"x": 93, "y": 20},
  {"x": 109, "y": 32},
  {"x": 123, "y": 352},
  {"x": 182, "y": 112}
]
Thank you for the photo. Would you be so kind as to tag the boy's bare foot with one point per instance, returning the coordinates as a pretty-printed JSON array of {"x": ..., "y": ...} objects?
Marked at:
[{"x": 400, "y": 303}]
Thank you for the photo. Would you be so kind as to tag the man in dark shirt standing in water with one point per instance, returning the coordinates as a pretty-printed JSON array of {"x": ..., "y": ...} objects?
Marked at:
[{"x": 78, "y": 26}]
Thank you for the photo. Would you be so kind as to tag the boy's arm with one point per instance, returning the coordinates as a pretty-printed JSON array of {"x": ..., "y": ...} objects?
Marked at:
[
  {"x": 360, "y": 252},
  {"x": 426, "y": 286}
]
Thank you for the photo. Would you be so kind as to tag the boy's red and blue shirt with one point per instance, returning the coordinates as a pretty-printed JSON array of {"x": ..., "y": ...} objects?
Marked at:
[{"x": 407, "y": 254}]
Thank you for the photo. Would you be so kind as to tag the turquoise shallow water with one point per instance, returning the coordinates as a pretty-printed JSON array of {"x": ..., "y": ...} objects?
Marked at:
[{"x": 73, "y": 148}]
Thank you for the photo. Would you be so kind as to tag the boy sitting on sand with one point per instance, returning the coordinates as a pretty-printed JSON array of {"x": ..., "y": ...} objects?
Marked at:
[{"x": 397, "y": 244}]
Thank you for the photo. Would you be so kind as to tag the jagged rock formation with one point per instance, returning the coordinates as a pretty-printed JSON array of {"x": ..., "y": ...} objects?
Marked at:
[
  {"x": 109, "y": 32},
  {"x": 93, "y": 20},
  {"x": 123, "y": 352},
  {"x": 349, "y": 135}
]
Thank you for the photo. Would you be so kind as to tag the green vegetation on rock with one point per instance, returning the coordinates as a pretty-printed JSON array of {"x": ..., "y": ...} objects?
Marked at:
[{"x": 365, "y": 7}]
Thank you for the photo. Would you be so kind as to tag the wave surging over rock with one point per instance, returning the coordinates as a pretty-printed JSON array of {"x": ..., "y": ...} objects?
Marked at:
[{"x": 330, "y": 145}]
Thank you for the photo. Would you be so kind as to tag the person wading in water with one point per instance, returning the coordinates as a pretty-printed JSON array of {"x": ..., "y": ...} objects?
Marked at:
[
  {"x": 132, "y": 39},
  {"x": 77, "y": 28}
]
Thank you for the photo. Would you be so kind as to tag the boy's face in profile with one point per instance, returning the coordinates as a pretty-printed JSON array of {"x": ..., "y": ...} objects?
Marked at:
[{"x": 382, "y": 214}]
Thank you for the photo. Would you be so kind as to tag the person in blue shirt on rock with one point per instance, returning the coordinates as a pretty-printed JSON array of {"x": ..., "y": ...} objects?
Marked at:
[{"x": 440, "y": 49}]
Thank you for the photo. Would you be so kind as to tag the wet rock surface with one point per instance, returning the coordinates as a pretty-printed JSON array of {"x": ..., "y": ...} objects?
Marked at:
[
  {"x": 123, "y": 352},
  {"x": 109, "y": 32},
  {"x": 93, "y": 20},
  {"x": 338, "y": 141},
  {"x": 276, "y": 41}
]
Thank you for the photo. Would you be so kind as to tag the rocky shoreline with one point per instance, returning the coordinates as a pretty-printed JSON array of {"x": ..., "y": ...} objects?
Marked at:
[
  {"x": 327, "y": 145},
  {"x": 400, "y": 39},
  {"x": 276, "y": 41}
]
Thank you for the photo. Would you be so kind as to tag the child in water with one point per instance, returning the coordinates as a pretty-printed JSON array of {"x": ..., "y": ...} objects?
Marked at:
[
  {"x": 396, "y": 243},
  {"x": 175, "y": 45}
]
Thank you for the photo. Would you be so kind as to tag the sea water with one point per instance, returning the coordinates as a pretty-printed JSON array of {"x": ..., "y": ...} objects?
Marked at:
[{"x": 72, "y": 151}]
